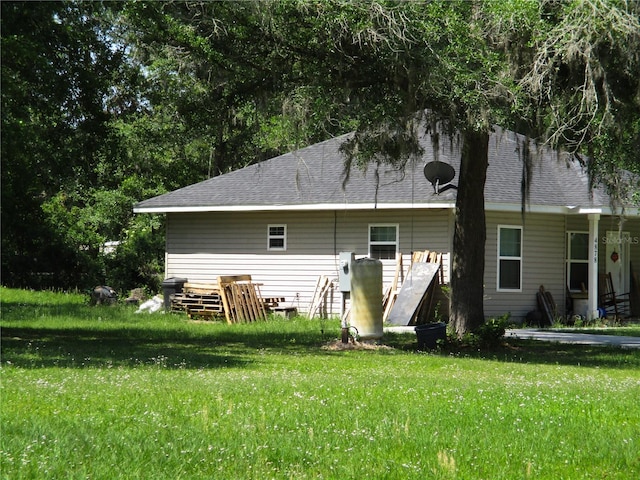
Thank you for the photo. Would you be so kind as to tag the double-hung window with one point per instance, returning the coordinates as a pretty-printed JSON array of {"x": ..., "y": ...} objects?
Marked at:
[
  {"x": 383, "y": 241},
  {"x": 276, "y": 237},
  {"x": 577, "y": 261},
  {"x": 509, "y": 258}
]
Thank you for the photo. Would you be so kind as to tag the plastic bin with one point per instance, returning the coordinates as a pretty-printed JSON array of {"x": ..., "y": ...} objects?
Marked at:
[
  {"x": 429, "y": 334},
  {"x": 171, "y": 286}
]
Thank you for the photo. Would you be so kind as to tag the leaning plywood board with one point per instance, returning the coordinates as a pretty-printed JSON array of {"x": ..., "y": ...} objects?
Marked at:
[{"x": 412, "y": 292}]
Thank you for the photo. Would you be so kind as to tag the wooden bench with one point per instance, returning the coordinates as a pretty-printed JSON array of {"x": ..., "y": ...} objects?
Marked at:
[
  {"x": 286, "y": 312},
  {"x": 272, "y": 302}
]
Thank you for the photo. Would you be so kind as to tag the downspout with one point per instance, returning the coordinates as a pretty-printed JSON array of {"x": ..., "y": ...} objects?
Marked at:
[{"x": 593, "y": 266}]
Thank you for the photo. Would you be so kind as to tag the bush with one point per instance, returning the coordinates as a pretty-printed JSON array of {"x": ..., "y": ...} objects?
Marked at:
[
  {"x": 490, "y": 334},
  {"x": 137, "y": 262}
]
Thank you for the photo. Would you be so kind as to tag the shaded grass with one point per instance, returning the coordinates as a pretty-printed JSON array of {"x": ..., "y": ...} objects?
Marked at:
[{"x": 104, "y": 393}]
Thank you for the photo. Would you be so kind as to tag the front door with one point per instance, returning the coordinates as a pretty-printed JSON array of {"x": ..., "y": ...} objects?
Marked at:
[{"x": 617, "y": 260}]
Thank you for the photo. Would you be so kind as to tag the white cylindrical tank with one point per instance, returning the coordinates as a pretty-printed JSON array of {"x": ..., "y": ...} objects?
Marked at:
[{"x": 366, "y": 298}]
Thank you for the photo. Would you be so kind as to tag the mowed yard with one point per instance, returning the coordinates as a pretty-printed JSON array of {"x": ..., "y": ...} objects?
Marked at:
[{"x": 103, "y": 393}]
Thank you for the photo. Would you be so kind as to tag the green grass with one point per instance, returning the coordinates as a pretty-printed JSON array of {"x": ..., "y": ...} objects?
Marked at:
[{"x": 102, "y": 393}]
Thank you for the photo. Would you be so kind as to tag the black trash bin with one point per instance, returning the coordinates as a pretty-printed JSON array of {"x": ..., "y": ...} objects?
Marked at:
[
  {"x": 171, "y": 286},
  {"x": 429, "y": 334}
]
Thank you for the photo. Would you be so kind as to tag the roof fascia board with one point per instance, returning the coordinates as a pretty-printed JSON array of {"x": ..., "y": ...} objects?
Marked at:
[
  {"x": 493, "y": 207},
  {"x": 309, "y": 207}
]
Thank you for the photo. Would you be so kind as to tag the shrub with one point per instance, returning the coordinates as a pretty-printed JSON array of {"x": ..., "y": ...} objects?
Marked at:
[{"x": 490, "y": 334}]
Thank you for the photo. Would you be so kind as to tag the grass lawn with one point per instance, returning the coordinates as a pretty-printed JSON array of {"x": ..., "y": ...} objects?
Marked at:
[{"x": 102, "y": 393}]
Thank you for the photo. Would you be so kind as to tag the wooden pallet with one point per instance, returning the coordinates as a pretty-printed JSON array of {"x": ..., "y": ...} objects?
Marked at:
[
  {"x": 241, "y": 299},
  {"x": 196, "y": 304},
  {"x": 234, "y": 297}
]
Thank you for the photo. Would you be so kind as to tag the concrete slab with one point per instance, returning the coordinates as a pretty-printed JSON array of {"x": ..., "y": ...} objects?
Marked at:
[
  {"x": 574, "y": 337},
  {"x": 551, "y": 336},
  {"x": 400, "y": 329}
]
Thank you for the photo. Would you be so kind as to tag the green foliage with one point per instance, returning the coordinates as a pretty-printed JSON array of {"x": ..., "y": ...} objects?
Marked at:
[
  {"x": 491, "y": 333},
  {"x": 107, "y": 103},
  {"x": 138, "y": 260},
  {"x": 487, "y": 336},
  {"x": 584, "y": 76},
  {"x": 57, "y": 69},
  {"x": 157, "y": 396}
]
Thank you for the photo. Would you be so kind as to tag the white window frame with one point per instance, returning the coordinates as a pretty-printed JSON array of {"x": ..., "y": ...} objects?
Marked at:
[
  {"x": 570, "y": 260},
  {"x": 282, "y": 237},
  {"x": 520, "y": 258},
  {"x": 396, "y": 242}
]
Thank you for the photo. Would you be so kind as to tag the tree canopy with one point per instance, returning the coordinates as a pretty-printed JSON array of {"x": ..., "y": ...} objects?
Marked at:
[{"x": 105, "y": 104}]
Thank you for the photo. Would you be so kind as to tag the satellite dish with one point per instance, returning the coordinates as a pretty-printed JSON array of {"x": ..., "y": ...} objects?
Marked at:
[{"x": 440, "y": 175}]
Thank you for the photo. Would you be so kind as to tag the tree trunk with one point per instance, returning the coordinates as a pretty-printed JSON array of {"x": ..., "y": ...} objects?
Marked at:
[{"x": 469, "y": 236}]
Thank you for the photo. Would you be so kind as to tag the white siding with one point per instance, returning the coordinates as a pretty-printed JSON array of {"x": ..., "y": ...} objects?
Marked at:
[{"x": 202, "y": 246}]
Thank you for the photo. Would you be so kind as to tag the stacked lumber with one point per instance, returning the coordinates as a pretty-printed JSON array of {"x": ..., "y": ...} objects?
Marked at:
[
  {"x": 241, "y": 299},
  {"x": 429, "y": 257},
  {"x": 547, "y": 306},
  {"x": 236, "y": 298},
  {"x": 197, "y": 300},
  {"x": 321, "y": 297},
  {"x": 391, "y": 292},
  {"x": 200, "y": 288}
]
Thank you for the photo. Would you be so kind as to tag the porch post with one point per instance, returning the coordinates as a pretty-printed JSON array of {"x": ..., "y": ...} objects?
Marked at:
[{"x": 593, "y": 265}]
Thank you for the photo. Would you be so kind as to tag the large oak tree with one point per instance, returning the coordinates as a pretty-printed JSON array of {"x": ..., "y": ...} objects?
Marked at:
[{"x": 162, "y": 94}]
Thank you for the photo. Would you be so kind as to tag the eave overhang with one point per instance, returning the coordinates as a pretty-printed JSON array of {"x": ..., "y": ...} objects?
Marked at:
[{"x": 489, "y": 207}]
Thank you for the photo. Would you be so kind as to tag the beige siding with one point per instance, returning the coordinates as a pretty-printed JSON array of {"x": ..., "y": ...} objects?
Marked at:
[
  {"x": 202, "y": 246},
  {"x": 543, "y": 259}
]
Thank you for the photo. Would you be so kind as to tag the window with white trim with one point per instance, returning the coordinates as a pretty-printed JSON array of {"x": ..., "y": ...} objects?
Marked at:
[
  {"x": 276, "y": 237},
  {"x": 578, "y": 261},
  {"x": 383, "y": 241},
  {"x": 509, "y": 258}
]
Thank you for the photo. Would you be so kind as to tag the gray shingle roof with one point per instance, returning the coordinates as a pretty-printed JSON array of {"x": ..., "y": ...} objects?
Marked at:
[{"x": 313, "y": 177}]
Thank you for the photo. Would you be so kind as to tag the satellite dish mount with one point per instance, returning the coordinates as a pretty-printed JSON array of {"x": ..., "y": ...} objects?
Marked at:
[{"x": 439, "y": 175}]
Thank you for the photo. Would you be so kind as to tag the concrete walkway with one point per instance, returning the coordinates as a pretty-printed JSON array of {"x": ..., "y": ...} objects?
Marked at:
[
  {"x": 573, "y": 337},
  {"x": 554, "y": 336}
]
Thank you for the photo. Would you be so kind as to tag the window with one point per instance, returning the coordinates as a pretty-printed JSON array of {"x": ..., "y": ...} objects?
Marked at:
[
  {"x": 578, "y": 261},
  {"x": 383, "y": 241},
  {"x": 509, "y": 258},
  {"x": 277, "y": 237}
]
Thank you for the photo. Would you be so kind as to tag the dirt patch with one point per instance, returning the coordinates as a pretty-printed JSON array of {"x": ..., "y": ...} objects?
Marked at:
[{"x": 337, "y": 345}]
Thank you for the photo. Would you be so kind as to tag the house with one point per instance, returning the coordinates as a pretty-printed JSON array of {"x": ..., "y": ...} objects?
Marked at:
[{"x": 286, "y": 220}]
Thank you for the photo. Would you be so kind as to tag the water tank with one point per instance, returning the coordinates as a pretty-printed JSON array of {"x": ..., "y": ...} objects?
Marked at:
[{"x": 366, "y": 298}]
